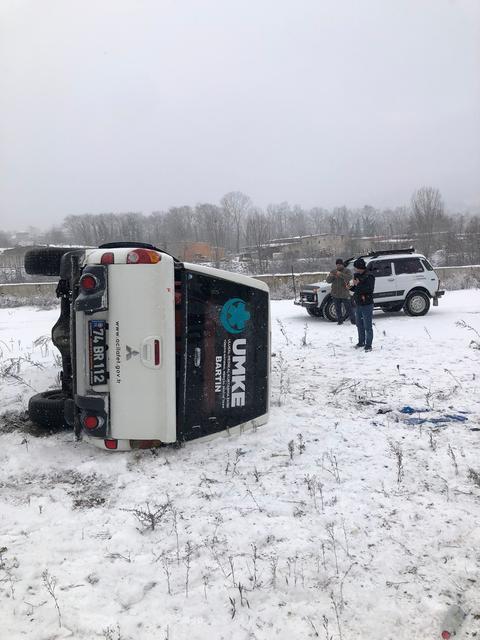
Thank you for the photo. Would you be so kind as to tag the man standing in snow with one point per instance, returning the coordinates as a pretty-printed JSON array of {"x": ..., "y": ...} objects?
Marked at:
[
  {"x": 363, "y": 286},
  {"x": 340, "y": 279}
]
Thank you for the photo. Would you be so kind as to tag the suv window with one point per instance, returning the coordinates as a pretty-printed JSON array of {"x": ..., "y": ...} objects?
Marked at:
[
  {"x": 380, "y": 268},
  {"x": 408, "y": 265},
  {"x": 427, "y": 265}
]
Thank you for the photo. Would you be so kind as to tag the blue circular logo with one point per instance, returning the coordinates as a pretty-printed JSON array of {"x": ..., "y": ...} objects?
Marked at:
[{"x": 234, "y": 315}]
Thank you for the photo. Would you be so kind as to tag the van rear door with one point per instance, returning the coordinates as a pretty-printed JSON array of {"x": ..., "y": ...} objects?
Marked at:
[{"x": 141, "y": 348}]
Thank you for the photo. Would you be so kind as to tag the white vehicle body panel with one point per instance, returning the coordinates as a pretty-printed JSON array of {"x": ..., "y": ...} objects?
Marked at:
[
  {"x": 142, "y": 307},
  {"x": 407, "y": 281}
]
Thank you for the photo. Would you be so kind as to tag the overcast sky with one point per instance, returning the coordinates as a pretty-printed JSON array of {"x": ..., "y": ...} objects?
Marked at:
[{"x": 139, "y": 105}]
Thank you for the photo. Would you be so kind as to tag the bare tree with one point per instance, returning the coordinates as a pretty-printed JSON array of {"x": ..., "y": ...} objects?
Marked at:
[
  {"x": 279, "y": 216},
  {"x": 299, "y": 222},
  {"x": 369, "y": 223},
  {"x": 54, "y": 235},
  {"x": 428, "y": 216},
  {"x": 156, "y": 229},
  {"x": 317, "y": 220},
  {"x": 132, "y": 226},
  {"x": 236, "y": 205},
  {"x": 472, "y": 241},
  {"x": 339, "y": 221},
  {"x": 215, "y": 224},
  {"x": 259, "y": 234}
]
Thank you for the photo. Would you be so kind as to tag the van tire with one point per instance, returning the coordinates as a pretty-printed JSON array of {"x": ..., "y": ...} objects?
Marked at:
[
  {"x": 44, "y": 262},
  {"x": 417, "y": 303},
  {"x": 47, "y": 410}
]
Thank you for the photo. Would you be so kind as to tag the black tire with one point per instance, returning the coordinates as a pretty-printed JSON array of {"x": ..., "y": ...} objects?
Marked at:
[
  {"x": 44, "y": 262},
  {"x": 315, "y": 312},
  {"x": 47, "y": 410},
  {"x": 417, "y": 303},
  {"x": 330, "y": 313},
  {"x": 394, "y": 308}
]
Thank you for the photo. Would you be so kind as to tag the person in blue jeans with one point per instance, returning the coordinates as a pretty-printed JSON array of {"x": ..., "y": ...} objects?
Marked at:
[{"x": 363, "y": 286}]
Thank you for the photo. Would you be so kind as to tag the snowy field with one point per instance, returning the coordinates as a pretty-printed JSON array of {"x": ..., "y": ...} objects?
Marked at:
[{"x": 342, "y": 518}]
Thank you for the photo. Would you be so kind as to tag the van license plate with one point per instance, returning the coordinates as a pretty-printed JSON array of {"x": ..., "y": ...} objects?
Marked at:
[{"x": 97, "y": 348}]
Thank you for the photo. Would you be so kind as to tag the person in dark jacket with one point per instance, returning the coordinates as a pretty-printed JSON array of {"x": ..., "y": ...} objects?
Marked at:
[
  {"x": 340, "y": 278},
  {"x": 363, "y": 286}
]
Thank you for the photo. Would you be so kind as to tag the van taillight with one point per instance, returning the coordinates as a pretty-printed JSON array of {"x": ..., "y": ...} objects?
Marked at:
[
  {"x": 88, "y": 283},
  {"x": 90, "y": 422},
  {"x": 107, "y": 258},
  {"x": 143, "y": 256},
  {"x": 111, "y": 444}
]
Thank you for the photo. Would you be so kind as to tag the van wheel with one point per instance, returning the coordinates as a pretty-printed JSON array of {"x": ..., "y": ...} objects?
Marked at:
[
  {"x": 330, "y": 313},
  {"x": 44, "y": 262},
  {"x": 417, "y": 303},
  {"x": 315, "y": 312},
  {"x": 47, "y": 410}
]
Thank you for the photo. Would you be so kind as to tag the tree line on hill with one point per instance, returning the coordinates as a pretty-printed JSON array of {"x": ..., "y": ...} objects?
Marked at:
[{"x": 236, "y": 223}]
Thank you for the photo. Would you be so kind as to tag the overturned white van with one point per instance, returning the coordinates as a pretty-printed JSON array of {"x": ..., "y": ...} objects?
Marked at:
[{"x": 154, "y": 351}]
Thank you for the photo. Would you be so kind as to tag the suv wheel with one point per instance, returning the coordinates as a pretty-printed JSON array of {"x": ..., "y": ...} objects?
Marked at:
[
  {"x": 44, "y": 262},
  {"x": 47, "y": 410},
  {"x": 393, "y": 308},
  {"x": 315, "y": 312},
  {"x": 417, "y": 303},
  {"x": 330, "y": 313}
]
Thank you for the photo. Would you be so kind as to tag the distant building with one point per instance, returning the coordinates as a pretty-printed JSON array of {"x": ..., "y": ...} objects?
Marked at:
[
  {"x": 318, "y": 245},
  {"x": 197, "y": 252}
]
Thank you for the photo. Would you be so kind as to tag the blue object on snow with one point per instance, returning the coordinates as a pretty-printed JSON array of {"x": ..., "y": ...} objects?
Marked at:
[
  {"x": 456, "y": 417},
  {"x": 409, "y": 410},
  {"x": 442, "y": 420}
]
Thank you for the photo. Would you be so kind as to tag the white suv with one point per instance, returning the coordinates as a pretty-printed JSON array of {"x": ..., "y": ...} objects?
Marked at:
[
  {"x": 154, "y": 351},
  {"x": 403, "y": 280}
]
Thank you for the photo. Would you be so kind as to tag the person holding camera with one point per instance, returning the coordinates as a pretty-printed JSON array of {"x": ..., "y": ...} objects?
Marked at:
[
  {"x": 363, "y": 286},
  {"x": 340, "y": 278}
]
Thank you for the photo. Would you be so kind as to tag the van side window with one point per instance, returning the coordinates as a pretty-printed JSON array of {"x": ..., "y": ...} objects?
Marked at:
[
  {"x": 380, "y": 268},
  {"x": 408, "y": 265}
]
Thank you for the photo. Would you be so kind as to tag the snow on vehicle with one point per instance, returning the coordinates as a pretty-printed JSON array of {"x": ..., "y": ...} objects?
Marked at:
[
  {"x": 154, "y": 351},
  {"x": 404, "y": 280}
]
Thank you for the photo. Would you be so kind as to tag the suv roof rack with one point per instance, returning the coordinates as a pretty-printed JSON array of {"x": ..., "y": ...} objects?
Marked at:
[
  {"x": 387, "y": 252},
  {"x": 383, "y": 252}
]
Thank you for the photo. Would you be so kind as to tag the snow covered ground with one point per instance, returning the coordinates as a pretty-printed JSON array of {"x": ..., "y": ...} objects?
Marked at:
[{"x": 339, "y": 519}]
